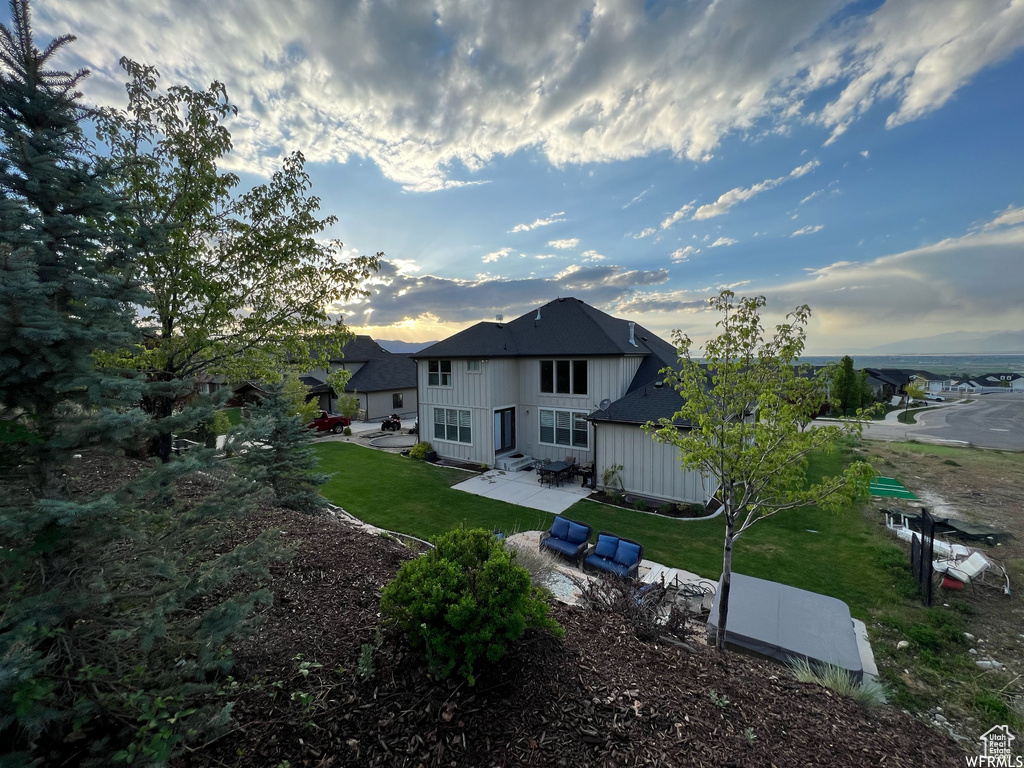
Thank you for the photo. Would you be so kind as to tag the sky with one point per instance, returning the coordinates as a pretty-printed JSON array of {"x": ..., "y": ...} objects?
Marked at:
[{"x": 864, "y": 158}]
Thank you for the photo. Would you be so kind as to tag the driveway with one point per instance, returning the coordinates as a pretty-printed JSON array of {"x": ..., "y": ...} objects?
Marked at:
[{"x": 989, "y": 421}]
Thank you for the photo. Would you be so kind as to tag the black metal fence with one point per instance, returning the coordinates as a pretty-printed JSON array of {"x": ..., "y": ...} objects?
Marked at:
[{"x": 921, "y": 553}]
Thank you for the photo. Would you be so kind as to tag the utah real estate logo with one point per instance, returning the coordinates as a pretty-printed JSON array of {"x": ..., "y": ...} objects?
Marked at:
[{"x": 996, "y": 751}]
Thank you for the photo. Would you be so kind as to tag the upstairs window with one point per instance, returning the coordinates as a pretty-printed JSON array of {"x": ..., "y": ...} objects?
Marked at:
[
  {"x": 563, "y": 377},
  {"x": 473, "y": 366},
  {"x": 439, "y": 373}
]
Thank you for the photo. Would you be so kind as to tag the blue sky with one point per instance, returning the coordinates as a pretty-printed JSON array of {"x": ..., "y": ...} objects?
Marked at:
[{"x": 864, "y": 158}]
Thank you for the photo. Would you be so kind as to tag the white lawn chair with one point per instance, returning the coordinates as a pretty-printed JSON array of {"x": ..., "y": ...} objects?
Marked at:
[{"x": 972, "y": 570}]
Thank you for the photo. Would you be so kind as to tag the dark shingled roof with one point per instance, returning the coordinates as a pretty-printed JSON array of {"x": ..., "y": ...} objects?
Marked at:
[
  {"x": 645, "y": 403},
  {"x": 566, "y": 327},
  {"x": 361, "y": 349},
  {"x": 387, "y": 371},
  {"x": 316, "y": 386}
]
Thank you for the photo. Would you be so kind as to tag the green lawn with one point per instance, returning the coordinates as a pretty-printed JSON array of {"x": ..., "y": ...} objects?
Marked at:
[
  {"x": 234, "y": 415},
  {"x": 845, "y": 557}
]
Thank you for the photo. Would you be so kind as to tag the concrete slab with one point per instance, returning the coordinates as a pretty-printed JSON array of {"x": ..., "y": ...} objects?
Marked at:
[
  {"x": 867, "y": 656},
  {"x": 523, "y": 489}
]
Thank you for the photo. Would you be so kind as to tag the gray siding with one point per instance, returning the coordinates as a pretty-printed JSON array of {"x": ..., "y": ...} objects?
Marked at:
[
  {"x": 649, "y": 468},
  {"x": 469, "y": 391},
  {"x": 379, "y": 405}
]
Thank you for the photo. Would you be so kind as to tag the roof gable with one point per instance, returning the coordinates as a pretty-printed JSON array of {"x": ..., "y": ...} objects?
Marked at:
[{"x": 561, "y": 327}]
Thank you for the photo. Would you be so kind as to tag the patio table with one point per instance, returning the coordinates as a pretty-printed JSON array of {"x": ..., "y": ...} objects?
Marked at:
[{"x": 555, "y": 469}]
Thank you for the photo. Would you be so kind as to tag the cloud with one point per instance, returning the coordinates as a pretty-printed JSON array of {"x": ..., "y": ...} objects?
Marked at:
[
  {"x": 808, "y": 230},
  {"x": 811, "y": 196},
  {"x": 645, "y": 233},
  {"x": 683, "y": 254},
  {"x": 495, "y": 255},
  {"x": 554, "y": 218},
  {"x": 638, "y": 198},
  {"x": 682, "y": 213},
  {"x": 433, "y": 93},
  {"x": 1010, "y": 217},
  {"x": 593, "y": 256},
  {"x": 397, "y": 300},
  {"x": 865, "y": 154},
  {"x": 723, "y": 241},
  {"x": 737, "y": 195},
  {"x": 569, "y": 242}
]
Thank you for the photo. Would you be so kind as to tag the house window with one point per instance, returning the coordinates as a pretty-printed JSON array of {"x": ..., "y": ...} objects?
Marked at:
[
  {"x": 396, "y": 400},
  {"x": 563, "y": 377},
  {"x": 439, "y": 373},
  {"x": 473, "y": 366},
  {"x": 568, "y": 428},
  {"x": 452, "y": 424}
]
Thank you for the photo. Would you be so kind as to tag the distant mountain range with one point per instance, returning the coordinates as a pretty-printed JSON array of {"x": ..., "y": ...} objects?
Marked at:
[
  {"x": 957, "y": 343},
  {"x": 403, "y": 347}
]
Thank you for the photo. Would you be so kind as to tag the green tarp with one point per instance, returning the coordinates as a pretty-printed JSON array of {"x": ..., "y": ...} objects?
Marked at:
[{"x": 891, "y": 487}]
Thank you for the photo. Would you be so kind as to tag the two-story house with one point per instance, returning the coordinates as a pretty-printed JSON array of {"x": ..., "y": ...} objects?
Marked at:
[{"x": 563, "y": 380}]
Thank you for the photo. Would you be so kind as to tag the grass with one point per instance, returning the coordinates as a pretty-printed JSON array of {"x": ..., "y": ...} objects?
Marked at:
[
  {"x": 910, "y": 417},
  {"x": 234, "y": 415},
  {"x": 842, "y": 555},
  {"x": 837, "y": 555}
]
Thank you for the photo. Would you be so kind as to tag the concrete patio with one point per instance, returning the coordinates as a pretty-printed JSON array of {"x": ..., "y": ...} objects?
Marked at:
[{"x": 523, "y": 489}]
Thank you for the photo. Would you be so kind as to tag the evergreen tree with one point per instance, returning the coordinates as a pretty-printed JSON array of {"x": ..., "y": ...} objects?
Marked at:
[
  {"x": 277, "y": 449},
  {"x": 116, "y": 605},
  {"x": 64, "y": 280},
  {"x": 846, "y": 389}
]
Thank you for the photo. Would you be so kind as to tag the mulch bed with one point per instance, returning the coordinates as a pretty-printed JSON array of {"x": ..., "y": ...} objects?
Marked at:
[{"x": 599, "y": 697}]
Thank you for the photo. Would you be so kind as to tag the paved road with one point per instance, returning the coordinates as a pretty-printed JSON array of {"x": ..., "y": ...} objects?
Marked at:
[{"x": 990, "y": 421}]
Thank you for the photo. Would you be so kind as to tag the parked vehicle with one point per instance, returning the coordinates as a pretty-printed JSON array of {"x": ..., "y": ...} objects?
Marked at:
[
  {"x": 935, "y": 398},
  {"x": 329, "y": 422},
  {"x": 392, "y": 423}
]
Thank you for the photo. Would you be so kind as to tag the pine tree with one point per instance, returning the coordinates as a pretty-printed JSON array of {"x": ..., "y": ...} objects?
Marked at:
[
  {"x": 278, "y": 450},
  {"x": 116, "y": 608},
  {"x": 65, "y": 282}
]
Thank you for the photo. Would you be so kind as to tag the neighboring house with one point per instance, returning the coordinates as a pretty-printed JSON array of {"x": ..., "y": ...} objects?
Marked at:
[
  {"x": 885, "y": 383},
  {"x": 508, "y": 394},
  {"x": 932, "y": 381},
  {"x": 994, "y": 382},
  {"x": 385, "y": 382}
]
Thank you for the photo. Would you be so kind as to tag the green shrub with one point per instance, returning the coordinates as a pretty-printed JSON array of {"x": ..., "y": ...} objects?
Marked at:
[
  {"x": 640, "y": 505},
  {"x": 419, "y": 451},
  {"x": 347, "y": 432},
  {"x": 868, "y": 693},
  {"x": 667, "y": 509},
  {"x": 464, "y": 602}
]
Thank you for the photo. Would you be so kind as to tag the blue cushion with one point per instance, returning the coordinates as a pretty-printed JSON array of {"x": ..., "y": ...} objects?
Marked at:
[
  {"x": 608, "y": 565},
  {"x": 606, "y": 546},
  {"x": 560, "y": 528},
  {"x": 577, "y": 533},
  {"x": 561, "y": 545},
  {"x": 627, "y": 554}
]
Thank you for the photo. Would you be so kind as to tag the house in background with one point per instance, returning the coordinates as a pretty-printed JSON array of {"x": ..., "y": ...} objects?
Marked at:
[
  {"x": 384, "y": 382},
  {"x": 994, "y": 382},
  {"x": 563, "y": 380}
]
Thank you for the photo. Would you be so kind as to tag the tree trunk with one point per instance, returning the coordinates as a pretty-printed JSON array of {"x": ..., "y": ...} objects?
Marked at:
[{"x": 723, "y": 596}]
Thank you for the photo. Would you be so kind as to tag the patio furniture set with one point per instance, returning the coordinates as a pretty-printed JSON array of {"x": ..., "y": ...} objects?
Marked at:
[
  {"x": 554, "y": 473},
  {"x": 610, "y": 553}
]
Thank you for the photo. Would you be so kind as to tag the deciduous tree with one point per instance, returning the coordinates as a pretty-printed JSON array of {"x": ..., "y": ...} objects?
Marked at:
[
  {"x": 742, "y": 410},
  {"x": 242, "y": 282}
]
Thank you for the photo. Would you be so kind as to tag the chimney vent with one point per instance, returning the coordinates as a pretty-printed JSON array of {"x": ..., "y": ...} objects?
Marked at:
[
  {"x": 631, "y": 339},
  {"x": 538, "y": 315}
]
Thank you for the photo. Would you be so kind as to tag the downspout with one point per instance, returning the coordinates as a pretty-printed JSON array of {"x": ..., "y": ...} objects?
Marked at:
[{"x": 593, "y": 479}]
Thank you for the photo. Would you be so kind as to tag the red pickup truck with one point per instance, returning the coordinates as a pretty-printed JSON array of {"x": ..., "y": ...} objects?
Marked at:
[{"x": 329, "y": 422}]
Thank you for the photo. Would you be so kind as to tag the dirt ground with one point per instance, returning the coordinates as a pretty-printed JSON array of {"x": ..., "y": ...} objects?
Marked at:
[{"x": 981, "y": 486}]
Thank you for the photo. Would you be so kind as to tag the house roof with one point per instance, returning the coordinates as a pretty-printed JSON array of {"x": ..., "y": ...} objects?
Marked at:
[
  {"x": 646, "y": 402},
  {"x": 360, "y": 349},
  {"x": 561, "y": 327},
  {"x": 316, "y": 387},
  {"x": 995, "y": 379},
  {"x": 386, "y": 371}
]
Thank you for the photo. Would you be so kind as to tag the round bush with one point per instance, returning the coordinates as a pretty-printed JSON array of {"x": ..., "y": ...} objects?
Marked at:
[
  {"x": 419, "y": 451},
  {"x": 464, "y": 602}
]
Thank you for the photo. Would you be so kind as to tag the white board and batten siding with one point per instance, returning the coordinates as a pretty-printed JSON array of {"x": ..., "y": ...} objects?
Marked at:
[
  {"x": 649, "y": 468},
  {"x": 607, "y": 377},
  {"x": 469, "y": 391}
]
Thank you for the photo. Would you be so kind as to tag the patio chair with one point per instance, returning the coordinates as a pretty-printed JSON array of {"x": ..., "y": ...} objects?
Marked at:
[{"x": 963, "y": 571}]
